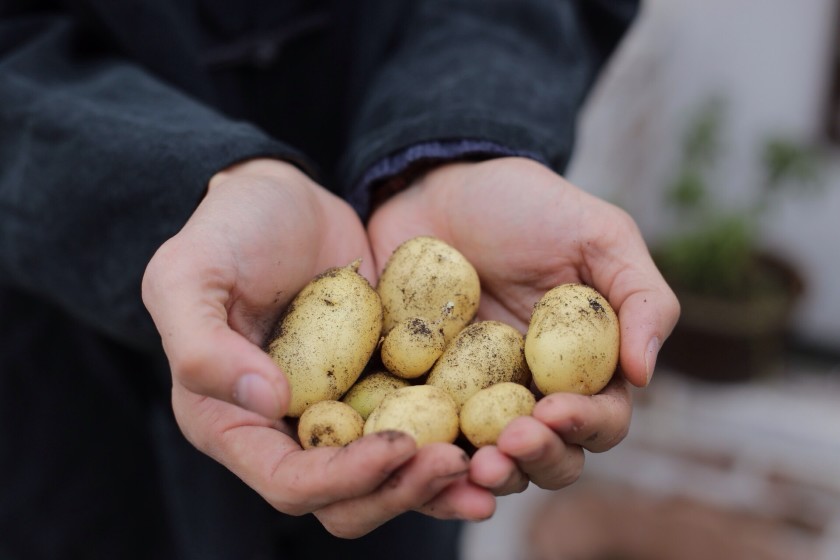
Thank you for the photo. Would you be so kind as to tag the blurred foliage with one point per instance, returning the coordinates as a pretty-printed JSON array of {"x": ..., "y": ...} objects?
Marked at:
[
  {"x": 716, "y": 251},
  {"x": 786, "y": 162}
]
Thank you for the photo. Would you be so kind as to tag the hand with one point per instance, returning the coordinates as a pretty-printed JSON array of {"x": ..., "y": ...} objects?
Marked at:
[
  {"x": 215, "y": 290},
  {"x": 526, "y": 230}
]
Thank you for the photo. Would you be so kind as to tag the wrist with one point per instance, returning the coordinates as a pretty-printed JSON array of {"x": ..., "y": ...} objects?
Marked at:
[
  {"x": 257, "y": 167},
  {"x": 397, "y": 171}
]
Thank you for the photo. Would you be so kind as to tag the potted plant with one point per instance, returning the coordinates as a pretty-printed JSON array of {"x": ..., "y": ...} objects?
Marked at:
[{"x": 736, "y": 295}]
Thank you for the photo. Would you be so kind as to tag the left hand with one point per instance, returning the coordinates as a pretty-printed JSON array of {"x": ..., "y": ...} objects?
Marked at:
[{"x": 526, "y": 230}]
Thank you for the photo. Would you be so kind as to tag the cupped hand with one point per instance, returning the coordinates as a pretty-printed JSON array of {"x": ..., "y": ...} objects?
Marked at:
[
  {"x": 215, "y": 290},
  {"x": 526, "y": 230}
]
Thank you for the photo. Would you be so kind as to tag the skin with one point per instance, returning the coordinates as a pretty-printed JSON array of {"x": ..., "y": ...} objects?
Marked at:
[
  {"x": 526, "y": 230},
  {"x": 264, "y": 229},
  {"x": 214, "y": 290}
]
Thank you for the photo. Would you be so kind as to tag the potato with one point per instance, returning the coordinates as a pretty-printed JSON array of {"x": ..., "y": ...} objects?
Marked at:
[
  {"x": 426, "y": 413},
  {"x": 411, "y": 348},
  {"x": 483, "y": 354},
  {"x": 327, "y": 335},
  {"x": 572, "y": 341},
  {"x": 421, "y": 277},
  {"x": 329, "y": 424},
  {"x": 366, "y": 394},
  {"x": 486, "y": 413}
]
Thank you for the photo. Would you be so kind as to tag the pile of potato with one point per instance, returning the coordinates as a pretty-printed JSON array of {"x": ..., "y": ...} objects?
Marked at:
[{"x": 409, "y": 355}]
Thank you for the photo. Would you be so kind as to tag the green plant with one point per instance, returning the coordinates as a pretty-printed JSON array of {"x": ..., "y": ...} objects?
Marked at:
[{"x": 716, "y": 250}]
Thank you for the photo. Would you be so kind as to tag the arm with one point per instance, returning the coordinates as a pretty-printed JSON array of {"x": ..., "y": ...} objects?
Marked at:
[
  {"x": 101, "y": 164},
  {"x": 518, "y": 80},
  {"x": 512, "y": 73},
  {"x": 215, "y": 289},
  {"x": 116, "y": 177}
]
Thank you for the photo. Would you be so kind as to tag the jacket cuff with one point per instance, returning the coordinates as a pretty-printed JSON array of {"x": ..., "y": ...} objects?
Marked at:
[{"x": 396, "y": 171}]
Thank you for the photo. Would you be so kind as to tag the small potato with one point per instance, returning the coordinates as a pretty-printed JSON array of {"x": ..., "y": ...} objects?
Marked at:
[
  {"x": 572, "y": 341},
  {"x": 483, "y": 354},
  {"x": 422, "y": 276},
  {"x": 366, "y": 394},
  {"x": 327, "y": 335},
  {"x": 329, "y": 424},
  {"x": 411, "y": 348},
  {"x": 486, "y": 413},
  {"x": 426, "y": 413}
]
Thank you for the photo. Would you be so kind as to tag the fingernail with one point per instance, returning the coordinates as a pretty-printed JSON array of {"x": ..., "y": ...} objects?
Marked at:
[
  {"x": 255, "y": 393},
  {"x": 650, "y": 358}
]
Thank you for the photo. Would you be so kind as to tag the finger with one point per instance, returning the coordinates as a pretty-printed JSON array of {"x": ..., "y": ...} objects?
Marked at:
[
  {"x": 596, "y": 423},
  {"x": 492, "y": 469},
  {"x": 430, "y": 471},
  {"x": 205, "y": 355},
  {"x": 273, "y": 464},
  {"x": 541, "y": 454},
  {"x": 461, "y": 500},
  {"x": 647, "y": 308}
]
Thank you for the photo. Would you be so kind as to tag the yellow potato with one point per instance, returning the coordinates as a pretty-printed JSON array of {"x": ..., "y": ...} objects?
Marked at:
[
  {"x": 483, "y": 354},
  {"x": 572, "y": 341},
  {"x": 327, "y": 335},
  {"x": 366, "y": 394},
  {"x": 426, "y": 413},
  {"x": 329, "y": 424},
  {"x": 410, "y": 349},
  {"x": 486, "y": 413},
  {"x": 424, "y": 275}
]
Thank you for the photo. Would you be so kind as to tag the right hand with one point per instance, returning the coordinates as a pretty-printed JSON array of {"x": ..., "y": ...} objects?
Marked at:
[{"x": 215, "y": 290}]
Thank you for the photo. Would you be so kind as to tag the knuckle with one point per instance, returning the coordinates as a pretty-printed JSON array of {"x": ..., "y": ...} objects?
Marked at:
[
  {"x": 198, "y": 423},
  {"x": 290, "y": 508},
  {"x": 628, "y": 225},
  {"x": 162, "y": 272},
  {"x": 162, "y": 260},
  {"x": 571, "y": 477},
  {"x": 185, "y": 424},
  {"x": 517, "y": 484},
  {"x": 341, "y": 528},
  {"x": 572, "y": 472},
  {"x": 673, "y": 305},
  {"x": 290, "y": 492},
  {"x": 188, "y": 368},
  {"x": 611, "y": 439},
  {"x": 284, "y": 496},
  {"x": 344, "y": 532}
]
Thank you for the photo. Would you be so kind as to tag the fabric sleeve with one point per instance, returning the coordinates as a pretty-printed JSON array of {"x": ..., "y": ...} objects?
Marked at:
[
  {"x": 398, "y": 170},
  {"x": 511, "y": 72},
  {"x": 99, "y": 164}
]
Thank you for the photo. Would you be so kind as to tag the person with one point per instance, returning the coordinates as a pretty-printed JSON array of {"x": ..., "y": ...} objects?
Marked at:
[{"x": 174, "y": 172}]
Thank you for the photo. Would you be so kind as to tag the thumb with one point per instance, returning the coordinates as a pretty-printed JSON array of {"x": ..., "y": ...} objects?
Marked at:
[
  {"x": 206, "y": 356},
  {"x": 646, "y": 318},
  {"x": 220, "y": 363}
]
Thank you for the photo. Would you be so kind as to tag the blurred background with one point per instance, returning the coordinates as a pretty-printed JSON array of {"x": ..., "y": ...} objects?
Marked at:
[{"x": 717, "y": 127}]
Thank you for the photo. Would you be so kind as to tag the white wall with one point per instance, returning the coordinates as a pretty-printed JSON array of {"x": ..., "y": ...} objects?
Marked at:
[{"x": 770, "y": 60}]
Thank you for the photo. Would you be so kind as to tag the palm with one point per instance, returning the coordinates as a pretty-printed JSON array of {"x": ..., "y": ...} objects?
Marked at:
[
  {"x": 289, "y": 252},
  {"x": 256, "y": 238},
  {"x": 511, "y": 227},
  {"x": 254, "y": 243},
  {"x": 215, "y": 289},
  {"x": 527, "y": 230}
]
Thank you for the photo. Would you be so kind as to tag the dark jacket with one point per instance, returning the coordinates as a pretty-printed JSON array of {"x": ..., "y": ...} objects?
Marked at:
[{"x": 113, "y": 116}]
